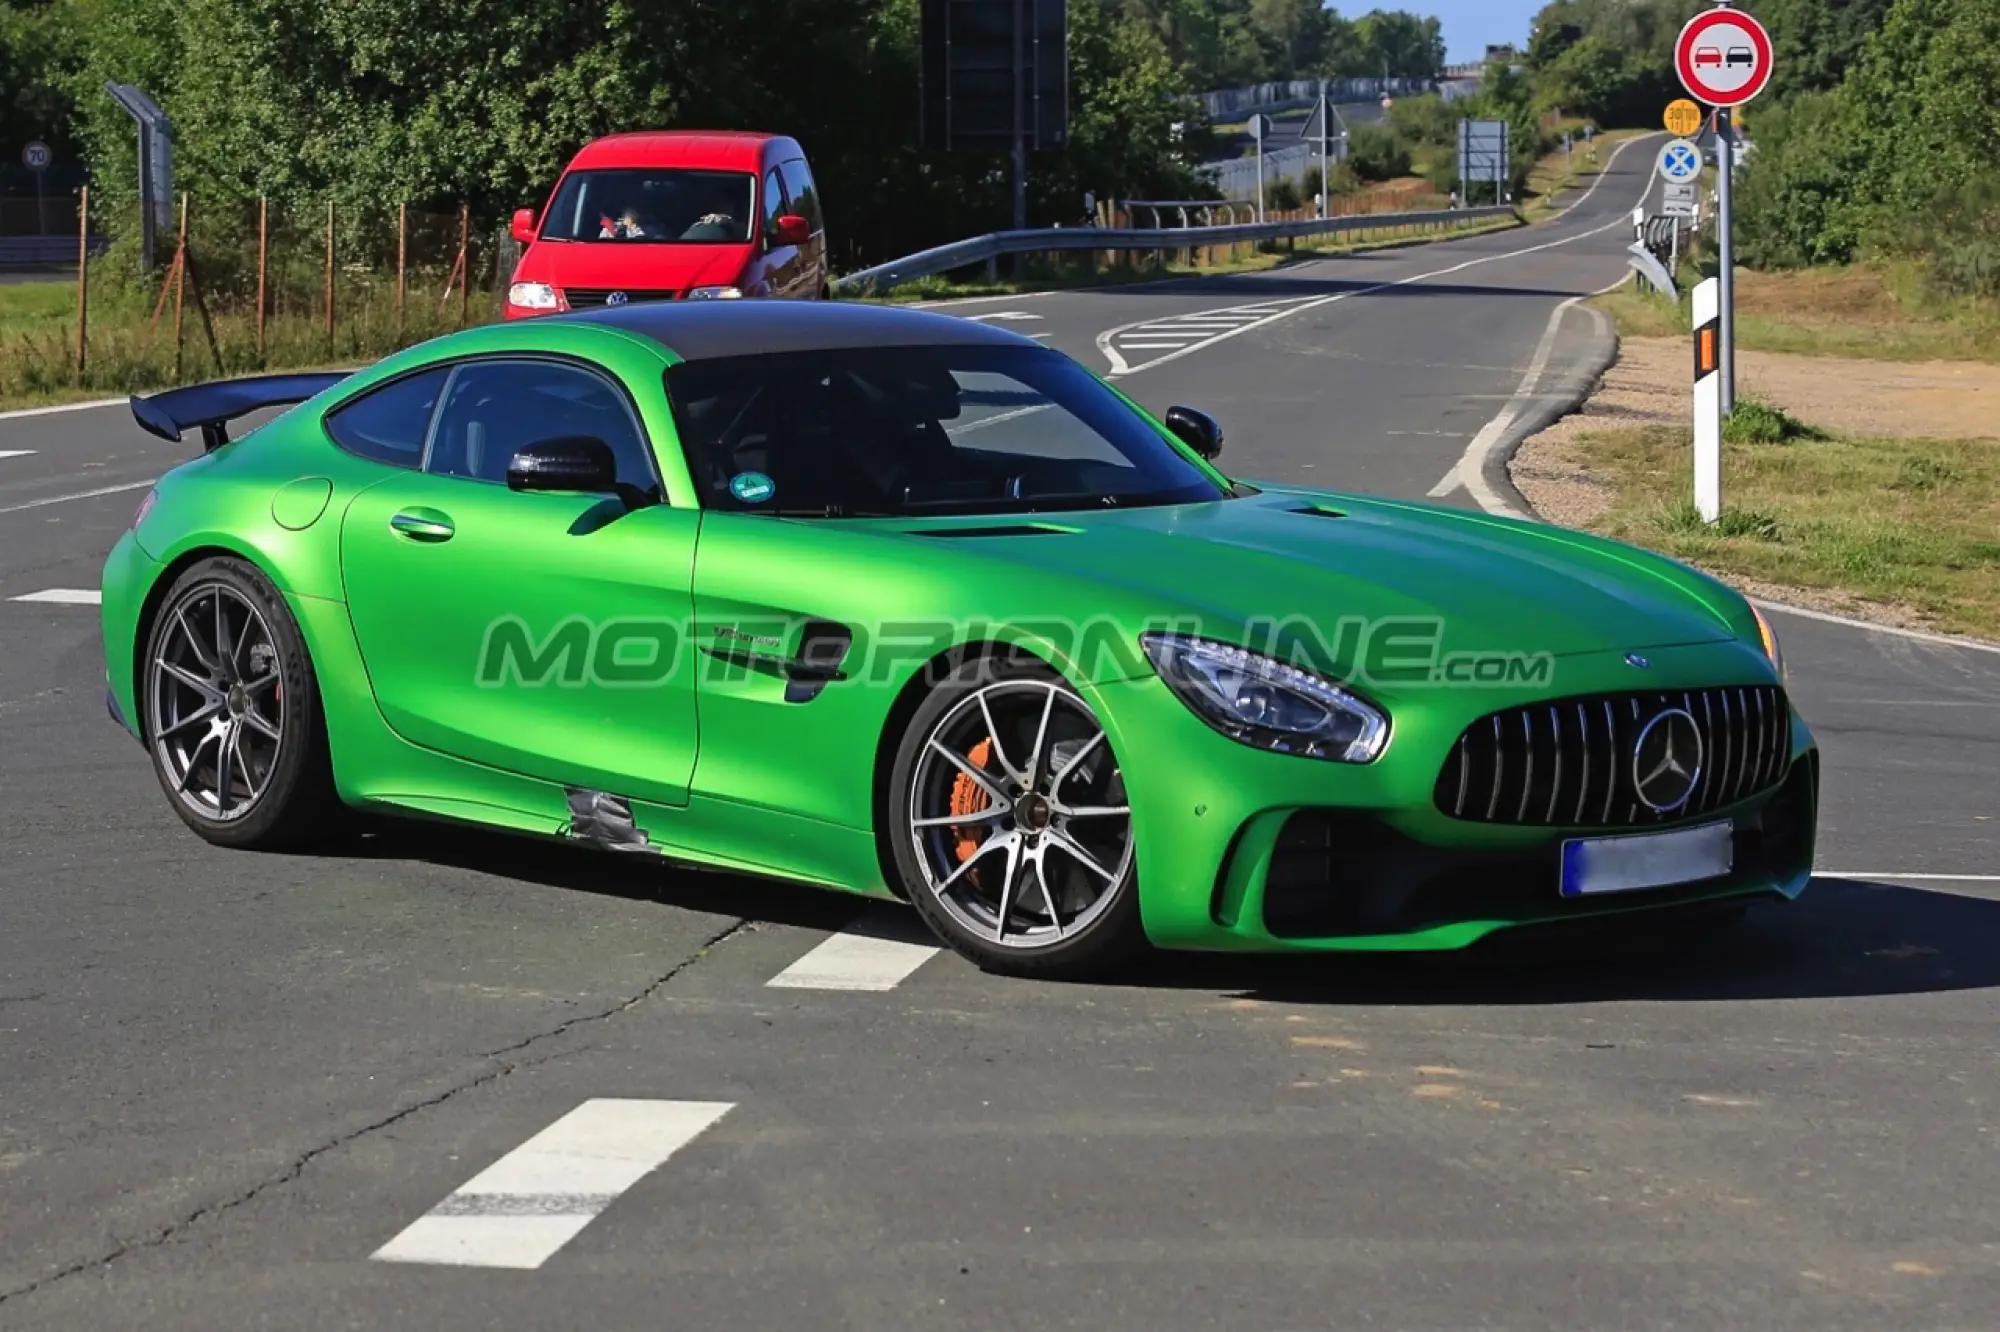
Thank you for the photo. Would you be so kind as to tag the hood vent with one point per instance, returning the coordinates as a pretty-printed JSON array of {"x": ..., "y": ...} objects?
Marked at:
[
  {"x": 1320, "y": 511},
  {"x": 1011, "y": 530}
]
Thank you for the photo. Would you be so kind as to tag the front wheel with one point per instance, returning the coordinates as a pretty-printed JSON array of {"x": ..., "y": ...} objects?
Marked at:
[
  {"x": 1010, "y": 825},
  {"x": 232, "y": 713}
]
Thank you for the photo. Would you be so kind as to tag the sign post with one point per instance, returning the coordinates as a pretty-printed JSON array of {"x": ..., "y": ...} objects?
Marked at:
[
  {"x": 1708, "y": 399},
  {"x": 36, "y": 157},
  {"x": 1260, "y": 126},
  {"x": 1724, "y": 58}
]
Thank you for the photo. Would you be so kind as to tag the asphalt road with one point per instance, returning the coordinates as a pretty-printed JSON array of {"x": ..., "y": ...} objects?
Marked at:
[{"x": 227, "y": 1080}]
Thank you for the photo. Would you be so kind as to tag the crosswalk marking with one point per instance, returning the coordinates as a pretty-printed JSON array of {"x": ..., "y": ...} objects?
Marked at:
[
  {"x": 524, "y": 1207},
  {"x": 17, "y": 453},
  {"x": 65, "y": 596},
  {"x": 878, "y": 951}
]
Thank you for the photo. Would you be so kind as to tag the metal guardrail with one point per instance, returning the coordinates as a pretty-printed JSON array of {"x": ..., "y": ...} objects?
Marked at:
[
  {"x": 981, "y": 249},
  {"x": 44, "y": 251}
]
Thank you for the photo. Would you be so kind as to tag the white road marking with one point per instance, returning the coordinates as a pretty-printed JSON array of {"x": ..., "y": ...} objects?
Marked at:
[
  {"x": 873, "y": 961},
  {"x": 1005, "y": 314},
  {"x": 79, "y": 495},
  {"x": 1848, "y": 622},
  {"x": 524, "y": 1207},
  {"x": 92, "y": 406},
  {"x": 17, "y": 453},
  {"x": 1120, "y": 367},
  {"x": 1907, "y": 878},
  {"x": 65, "y": 596}
]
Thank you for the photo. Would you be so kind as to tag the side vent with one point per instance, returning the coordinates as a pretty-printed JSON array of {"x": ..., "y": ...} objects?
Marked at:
[{"x": 822, "y": 646}]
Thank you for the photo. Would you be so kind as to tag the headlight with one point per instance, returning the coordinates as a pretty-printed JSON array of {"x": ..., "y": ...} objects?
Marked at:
[
  {"x": 1770, "y": 638},
  {"x": 1266, "y": 704},
  {"x": 714, "y": 293},
  {"x": 532, "y": 295}
]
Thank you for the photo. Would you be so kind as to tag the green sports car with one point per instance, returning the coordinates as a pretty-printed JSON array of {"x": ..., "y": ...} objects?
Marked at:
[{"x": 909, "y": 606}]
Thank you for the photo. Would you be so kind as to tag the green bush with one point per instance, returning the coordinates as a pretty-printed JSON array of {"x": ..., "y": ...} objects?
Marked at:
[
  {"x": 1376, "y": 153},
  {"x": 1754, "y": 422}
]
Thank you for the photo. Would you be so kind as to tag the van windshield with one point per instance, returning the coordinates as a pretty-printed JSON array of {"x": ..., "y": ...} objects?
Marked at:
[{"x": 658, "y": 204}]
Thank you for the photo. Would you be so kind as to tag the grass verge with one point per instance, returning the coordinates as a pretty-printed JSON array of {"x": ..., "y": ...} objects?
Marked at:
[
  {"x": 1558, "y": 172},
  {"x": 1907, "y": 524},
  {"x": 1856, "y": 311}
]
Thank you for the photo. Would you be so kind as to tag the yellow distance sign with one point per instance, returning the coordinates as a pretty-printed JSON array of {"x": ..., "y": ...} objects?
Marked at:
[{"x": 1683, "y": 118}]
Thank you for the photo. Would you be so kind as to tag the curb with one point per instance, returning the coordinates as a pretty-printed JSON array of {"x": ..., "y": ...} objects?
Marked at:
[{"x": 1599, "y": 356}]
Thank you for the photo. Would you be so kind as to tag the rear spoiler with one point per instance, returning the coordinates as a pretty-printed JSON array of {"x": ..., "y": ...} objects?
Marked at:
[{"x": 213, "y": 406}]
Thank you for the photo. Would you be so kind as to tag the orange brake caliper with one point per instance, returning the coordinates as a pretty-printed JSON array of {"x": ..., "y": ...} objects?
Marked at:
[{"x": 968, "y": 797}]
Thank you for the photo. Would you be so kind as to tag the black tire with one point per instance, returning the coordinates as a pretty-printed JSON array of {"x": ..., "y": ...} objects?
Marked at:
[
  {"x": 1110, "y": 934},
  {"x": 272, "y": 673}
]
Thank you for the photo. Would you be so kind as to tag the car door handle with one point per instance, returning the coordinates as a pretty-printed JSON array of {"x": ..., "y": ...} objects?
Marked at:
[{"x": 422, "y": 525}]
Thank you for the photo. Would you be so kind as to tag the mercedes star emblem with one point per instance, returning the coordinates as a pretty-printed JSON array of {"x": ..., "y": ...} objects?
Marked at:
[
  {"x": 616, "y": 298},
  {"x": 1666, "y": 761}
]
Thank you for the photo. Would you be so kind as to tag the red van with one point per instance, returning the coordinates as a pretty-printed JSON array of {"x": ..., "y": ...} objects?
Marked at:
[{"x": 673, "y": 215}]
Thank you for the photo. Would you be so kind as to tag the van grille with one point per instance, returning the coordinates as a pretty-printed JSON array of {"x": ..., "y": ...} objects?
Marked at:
[
  {"x": 1569, "y": 763},
  {"x": 584, "y": 298}
]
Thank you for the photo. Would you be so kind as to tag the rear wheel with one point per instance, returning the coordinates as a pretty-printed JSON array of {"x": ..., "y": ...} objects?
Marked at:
[
  {"x": 1010, "y": 825},
  {"x": 232, "y": 711}
]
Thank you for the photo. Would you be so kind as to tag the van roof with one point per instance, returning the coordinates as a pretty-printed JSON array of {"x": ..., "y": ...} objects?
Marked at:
[{"x": 741, "y": 150}]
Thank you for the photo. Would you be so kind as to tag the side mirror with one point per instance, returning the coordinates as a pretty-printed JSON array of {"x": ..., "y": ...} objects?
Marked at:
[
  {"x": 524, "y": 225},
  {"x": 571, "y": 463},
  {"x": 792, "y": 230},
  {"x": 1198, "y": 430}
]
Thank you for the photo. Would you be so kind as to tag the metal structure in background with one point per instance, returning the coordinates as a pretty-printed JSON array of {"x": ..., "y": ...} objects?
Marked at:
[
  {"x": 1098, "y": 240},
  {"x": 1483, "y": 155},
  {"x": 995, "y": 77},
  {"x": 156, "y": 165}
]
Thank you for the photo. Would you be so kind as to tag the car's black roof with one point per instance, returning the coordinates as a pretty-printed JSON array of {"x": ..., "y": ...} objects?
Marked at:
[{"x": 701, "y": 330}]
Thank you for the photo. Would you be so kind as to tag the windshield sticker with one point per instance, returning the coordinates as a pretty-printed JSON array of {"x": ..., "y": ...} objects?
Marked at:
[{"x": 752, "y": 487}]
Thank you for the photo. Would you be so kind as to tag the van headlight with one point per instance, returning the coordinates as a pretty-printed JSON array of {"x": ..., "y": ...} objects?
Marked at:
[
  {"x": 532, "y": 296},
  {"x": 1261, "y": 702}
]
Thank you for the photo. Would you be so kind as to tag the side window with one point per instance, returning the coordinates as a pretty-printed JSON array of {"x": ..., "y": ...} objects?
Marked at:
[
  {"x": 804, "y": 195},
  {"x": 389, "y": 424},
  {"x": 494, "y": 408},
  {"x": 774, "y": 200}
]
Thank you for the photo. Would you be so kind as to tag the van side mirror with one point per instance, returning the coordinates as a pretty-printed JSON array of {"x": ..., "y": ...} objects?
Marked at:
[
  {"x": 1198, "y": 430},
  {"x": 524, "y": 225},
  {"x": 791, "y": 230}
]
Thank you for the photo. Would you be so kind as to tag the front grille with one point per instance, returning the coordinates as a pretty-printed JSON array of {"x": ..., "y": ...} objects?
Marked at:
[
  {"x": 584, "y": 298},
  {"x": 1568, "y": 763}
]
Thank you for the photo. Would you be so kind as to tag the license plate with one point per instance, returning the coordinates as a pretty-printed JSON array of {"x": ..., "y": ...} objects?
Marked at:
[{"x": 1646, "y": 860}]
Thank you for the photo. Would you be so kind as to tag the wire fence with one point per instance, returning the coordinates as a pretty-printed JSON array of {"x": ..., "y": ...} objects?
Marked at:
[{"x": 241, "y": 286}]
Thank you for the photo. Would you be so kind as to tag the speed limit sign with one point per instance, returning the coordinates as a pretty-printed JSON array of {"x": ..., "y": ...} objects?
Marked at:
[{"x": 36, "y": 156}]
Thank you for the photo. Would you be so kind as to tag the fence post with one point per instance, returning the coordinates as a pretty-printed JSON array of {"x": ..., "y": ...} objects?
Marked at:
[
  {"x": 464, "y": 261},
  {"x": 329, "y": 275},
  {"x": 263, "y": 260},
  {"x": 402, "y": 255},
  {"x": 180, "y": 281},
  {"x": 82, "y": 275}
]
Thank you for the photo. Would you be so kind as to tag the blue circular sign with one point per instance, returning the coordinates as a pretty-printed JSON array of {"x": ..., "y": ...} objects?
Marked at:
[
  {"x": 36, "y": 156},
  {"x": 1680, "y": 161},
  {"x": 752, "y": 487}
]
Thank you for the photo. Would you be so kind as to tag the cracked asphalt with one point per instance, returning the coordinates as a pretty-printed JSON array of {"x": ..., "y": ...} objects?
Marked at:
[{"x": 227, "y": 1080}]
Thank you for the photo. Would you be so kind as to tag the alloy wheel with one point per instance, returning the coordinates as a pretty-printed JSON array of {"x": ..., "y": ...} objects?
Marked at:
[
  {"x": 217, "y": 711},
  {"x": 1018, "y": 814}
]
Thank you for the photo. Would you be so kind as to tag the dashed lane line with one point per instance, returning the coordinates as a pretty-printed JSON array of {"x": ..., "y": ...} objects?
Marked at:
[
  {"x": 78, "y": 495},
  {"x": 64, "y": 596},
  {"x": 16, "y": 453},
  {"x": 877, "y": 952},
  {"x": 524, "y": 1207}
]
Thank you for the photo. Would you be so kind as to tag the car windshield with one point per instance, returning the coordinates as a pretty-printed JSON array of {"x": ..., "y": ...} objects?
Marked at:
[
  {"x": 907, "y": 431},
  {"x": 658, "y": 204}
]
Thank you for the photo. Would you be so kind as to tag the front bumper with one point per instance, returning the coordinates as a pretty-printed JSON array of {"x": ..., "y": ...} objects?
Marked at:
[{"x": 1240, "y": 850}]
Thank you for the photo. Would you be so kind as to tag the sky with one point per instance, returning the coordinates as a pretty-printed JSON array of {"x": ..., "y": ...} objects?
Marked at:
[{"x": 1470, "y": 25}]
